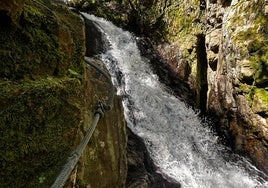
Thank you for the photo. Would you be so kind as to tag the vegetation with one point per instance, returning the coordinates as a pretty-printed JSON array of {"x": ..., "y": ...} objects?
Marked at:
[{"x": 145, "y": 18}]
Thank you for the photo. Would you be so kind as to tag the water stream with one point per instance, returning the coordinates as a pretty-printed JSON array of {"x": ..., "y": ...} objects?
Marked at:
[{"x": 181, "y": 146}]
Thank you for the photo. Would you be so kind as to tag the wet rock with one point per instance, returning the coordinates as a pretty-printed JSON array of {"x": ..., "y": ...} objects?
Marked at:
[
  {"x": 142, "y": 173},
  {"x": 167, "y": 72},
  {"x": 104, "y": 161},
  {"x": 96, "y": 42}
]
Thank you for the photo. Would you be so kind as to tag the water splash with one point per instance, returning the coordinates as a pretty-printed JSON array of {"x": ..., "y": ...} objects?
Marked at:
[{"x": 181, "y": 146}]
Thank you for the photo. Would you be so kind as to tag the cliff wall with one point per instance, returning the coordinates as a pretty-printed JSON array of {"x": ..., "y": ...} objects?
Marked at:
[
  {"x": 224, "y": 43},
  {"x": 48, "y": 98},
  {"x": 237, "y": 87}
]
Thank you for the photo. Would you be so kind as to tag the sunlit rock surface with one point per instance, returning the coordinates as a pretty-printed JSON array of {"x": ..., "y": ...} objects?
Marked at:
[
  {"x": 236, "y": 50},
  {"x": 241, "y": 78}
]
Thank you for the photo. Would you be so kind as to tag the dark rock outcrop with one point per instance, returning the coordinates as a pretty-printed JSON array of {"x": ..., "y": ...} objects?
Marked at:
[
  {"x": 141, "y": 169},
  {"x": 104, "y": 161},
  {"x": 95, "y": 41},
  {"x": 167, "y": 74}
]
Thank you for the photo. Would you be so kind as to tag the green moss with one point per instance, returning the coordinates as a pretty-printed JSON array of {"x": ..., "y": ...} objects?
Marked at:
[
  {"x": 255, "y": 37},
  {"x": 40, "y": 106},
  {"x": 71, "y": 39},
  {"x": 33, "y": 33},
  {"x": 185, "y": 22},
  {"x": 74, "y": 74},
  {"x": 260, "y": 101},
  {"x": 41, "y": 53},
  {"x": 245, "y": 88},
  {"x": 37, "y": 122},
  {"x": 248, "y": 91}
]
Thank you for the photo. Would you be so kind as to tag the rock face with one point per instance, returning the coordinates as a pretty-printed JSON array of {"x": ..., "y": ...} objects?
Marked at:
[
  {"x": 226, "y": 50},
  {"x": 141, "y": 169},
  {"x": 238, "y": 85},
  {"x": 47, "y": 101},
  {"x": 104, "y": 162}
]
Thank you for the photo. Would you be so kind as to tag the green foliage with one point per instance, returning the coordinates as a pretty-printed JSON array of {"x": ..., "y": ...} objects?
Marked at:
[
  {"x": 74, "y": 74},
  {"x": 142, "y": 17}
]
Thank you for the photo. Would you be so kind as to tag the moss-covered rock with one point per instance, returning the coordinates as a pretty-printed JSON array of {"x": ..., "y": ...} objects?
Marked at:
[
  {"x": 38, "y": 128},
  {"x": 47, "y": 102},
  {"x": 51, "y": 43},
  {"x": 260, "y": 101},
  {"x": 241, "y": 79},
  {"x": 42, "y": 104},
  {"x": 104, "y": 162},
  {"x": 10, "y": 10}
]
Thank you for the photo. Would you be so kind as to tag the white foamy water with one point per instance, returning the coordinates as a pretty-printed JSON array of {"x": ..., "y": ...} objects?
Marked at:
[{"x": 181, "y": 146}]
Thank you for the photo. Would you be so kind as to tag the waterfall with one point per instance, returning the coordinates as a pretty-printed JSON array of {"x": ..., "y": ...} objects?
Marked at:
[{"x": 181, "y": 146}]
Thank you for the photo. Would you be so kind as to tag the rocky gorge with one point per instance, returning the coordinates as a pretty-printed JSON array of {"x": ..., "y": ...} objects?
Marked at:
[{"x": 216, "y": 49}]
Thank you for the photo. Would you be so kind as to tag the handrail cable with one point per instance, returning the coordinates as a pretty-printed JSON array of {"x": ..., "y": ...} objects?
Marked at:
[
  {"x": 76, "y": 154},
  {"x": 111, "y": 86}
]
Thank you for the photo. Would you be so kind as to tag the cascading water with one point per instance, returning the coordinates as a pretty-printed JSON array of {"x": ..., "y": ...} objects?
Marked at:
[{"x": 181, "y": 146}]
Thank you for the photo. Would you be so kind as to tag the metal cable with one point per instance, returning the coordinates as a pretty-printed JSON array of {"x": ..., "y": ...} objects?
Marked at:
[
  {"x": 76, "y": 154},
  {"x": 73, "y": 159},
  {"x": 111, "y": 87}
]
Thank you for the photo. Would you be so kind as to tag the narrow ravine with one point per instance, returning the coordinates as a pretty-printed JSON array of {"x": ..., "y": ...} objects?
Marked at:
[{"x": 181, "y": 146}]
